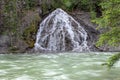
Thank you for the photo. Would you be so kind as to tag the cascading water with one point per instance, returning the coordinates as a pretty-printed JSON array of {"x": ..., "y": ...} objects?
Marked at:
[{"x": 60, "y": 32}]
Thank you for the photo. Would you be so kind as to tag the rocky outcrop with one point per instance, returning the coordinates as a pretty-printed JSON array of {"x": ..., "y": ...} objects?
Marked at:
[
  {"x": 82, "y": 17},
  {"x": 6, "y": 46},
  {"x": 4, "y": 43},
  {"x": 85, "y": 20},
  {"x": 60, "y": 32}
]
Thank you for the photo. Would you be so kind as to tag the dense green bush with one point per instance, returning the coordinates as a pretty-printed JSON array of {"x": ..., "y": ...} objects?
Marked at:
[
  {"x": 112, "y": 60},
  {"x": 86, "y": 5},
  {"x": 110, "y": 22},
  {"x": 30, "y": 4}
]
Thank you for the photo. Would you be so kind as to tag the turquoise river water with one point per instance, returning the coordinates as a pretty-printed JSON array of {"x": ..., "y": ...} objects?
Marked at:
[{"x": 64, "y": 66}]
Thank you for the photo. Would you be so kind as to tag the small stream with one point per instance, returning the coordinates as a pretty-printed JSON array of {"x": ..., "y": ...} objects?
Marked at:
[{"x": 62, "y": 66}]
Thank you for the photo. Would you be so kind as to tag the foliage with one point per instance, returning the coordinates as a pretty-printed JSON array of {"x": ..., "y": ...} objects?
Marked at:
[
  {"x": 110, "y": 22},
  {"x": 30, "y": 4},
  {"x": 112, "y": 37},
  {"x": 70, "y": 5},
  {"x": 10, "y": 17},
  {"x": 13, "y": 11},
  {"x": 30, "y": 32},
  {"x": 86, "y": 5},
  {"x": 13, "y": 49},
  {"x": 112, "y": 60}
]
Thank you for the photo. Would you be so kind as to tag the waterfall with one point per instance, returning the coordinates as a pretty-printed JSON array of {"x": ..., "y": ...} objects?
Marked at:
[{"x": 60, "y": 32}]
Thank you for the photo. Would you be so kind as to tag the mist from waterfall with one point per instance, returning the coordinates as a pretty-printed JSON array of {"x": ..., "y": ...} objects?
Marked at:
[{"x": 60, "y": 32}]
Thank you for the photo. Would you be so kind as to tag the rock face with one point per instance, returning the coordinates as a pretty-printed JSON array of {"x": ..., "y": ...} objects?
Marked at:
[
  {"x": 4, "y": 43},
  {"x": 60, "y": 32},
  {"x": 84, "y": 18}
]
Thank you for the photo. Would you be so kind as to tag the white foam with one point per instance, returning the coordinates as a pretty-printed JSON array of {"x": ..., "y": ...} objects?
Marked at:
[
  {"x": 117, "y": 64},
  {"x": 91, "y": 72},
  {"x": 54, "y": 30},
  {"x": 2, "y": 72},
  {"x": 61, "y": 77},
  {"x": 48, "y": 72},
  {"x": 23, "y": 77}
]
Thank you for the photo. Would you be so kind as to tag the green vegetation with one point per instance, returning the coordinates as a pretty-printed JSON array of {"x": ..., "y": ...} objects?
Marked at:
[
  {"x": 112, "y": 60},
  {"x": 105, "y": 13},
  {"x": 30, "y": 32},
  {"x": 110, "y": 22},
  {"x": 86, "y": 5},
  {"x": 28, "y": 35},
  {"x": 13, "y": 49},
  {"x": 12, "y": 14}
]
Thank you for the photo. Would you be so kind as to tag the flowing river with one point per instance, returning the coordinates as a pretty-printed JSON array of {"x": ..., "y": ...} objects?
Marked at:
[{"x": 62, "y": 66}]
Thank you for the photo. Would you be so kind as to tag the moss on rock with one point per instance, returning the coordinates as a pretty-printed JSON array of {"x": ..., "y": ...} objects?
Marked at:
[{"x": 29, "y": 34}]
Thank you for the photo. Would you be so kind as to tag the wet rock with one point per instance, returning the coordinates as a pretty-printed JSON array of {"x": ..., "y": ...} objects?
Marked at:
[
  {"x": 60, "y": 32},
  {"x": 4, "y": 43}
]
